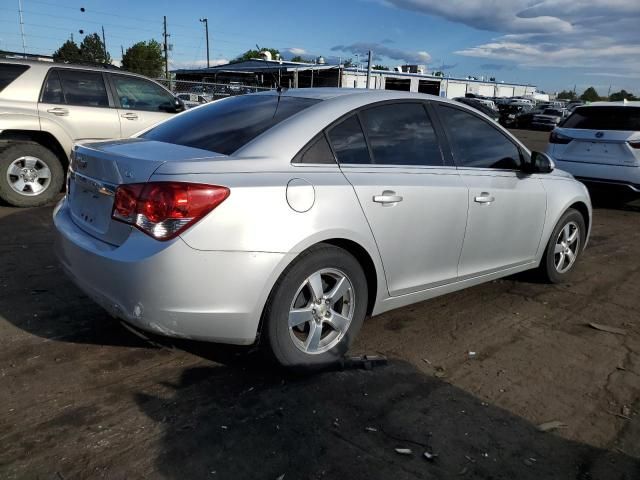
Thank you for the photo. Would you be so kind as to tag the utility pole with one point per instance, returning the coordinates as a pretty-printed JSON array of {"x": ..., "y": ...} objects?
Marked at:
[
  {"x": 206, "y": 33},
  {"x": 166, "y": 49},
  {"x": 104, "y": 43},
  {"x": 24, "y": 44},
  {"x": 369, "y": 70}
]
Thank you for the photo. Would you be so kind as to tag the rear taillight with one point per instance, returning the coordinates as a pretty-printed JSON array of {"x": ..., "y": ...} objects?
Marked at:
[
  {"x": 556, "y": 137},
  {"x": 634, "y": 144},
  {"x": 165, "y": 209}
]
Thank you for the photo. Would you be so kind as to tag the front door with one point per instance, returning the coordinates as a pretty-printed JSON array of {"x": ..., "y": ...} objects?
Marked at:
[
  {"x": 416, "y": 206},
  {"x": 507, "y": 207}
]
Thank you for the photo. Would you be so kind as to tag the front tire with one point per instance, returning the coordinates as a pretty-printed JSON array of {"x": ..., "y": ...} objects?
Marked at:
[
  {"x": 30, "y": 174},
  {"x": 565, "y": 246},
  {"x": 316, "y": 308}
]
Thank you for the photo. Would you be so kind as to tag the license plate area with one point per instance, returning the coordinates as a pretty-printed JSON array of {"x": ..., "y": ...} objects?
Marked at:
[{"x": 91, "y": 203}]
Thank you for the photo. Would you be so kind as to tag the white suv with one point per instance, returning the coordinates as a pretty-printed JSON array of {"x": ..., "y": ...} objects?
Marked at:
[
  {"x": 600, "y": 145},
  {"x": 46, "y": 107}
]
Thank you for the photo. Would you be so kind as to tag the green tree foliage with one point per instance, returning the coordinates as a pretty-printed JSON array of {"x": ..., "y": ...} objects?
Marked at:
[
  {"x": 68, "y": 52},
  {"x": 621, "y": 95},
  {"x": 380, "y": 67},
  {"x": 298, "y": 58},
  {"x": 590, "y": 95},
  {"x": 348, "y": 62},
  {"x": 252, "y": 54},
  {"x": 92, "y": 50},
  {"x": 145, "y": 58},
  {"x": 567, "y": 95}
]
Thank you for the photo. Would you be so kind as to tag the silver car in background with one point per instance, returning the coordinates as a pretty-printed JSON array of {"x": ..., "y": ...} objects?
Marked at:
[{"x": 289, "y": 216}]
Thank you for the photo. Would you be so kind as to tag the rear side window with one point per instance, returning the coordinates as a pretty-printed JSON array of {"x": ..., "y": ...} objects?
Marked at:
[
  {"x": 318, "y": 152},
  {"x": 52, "y": 92},
  {"x": 348, "y": 142},
  {"x": 9, "y": 72},
  {"x": 227, "y": 125},
  {"x": 83, "y": 88},
  {"x": 401, "y": 134},
  {"x": 604, "y": 118},
  {"x": 476, "y": 143}
]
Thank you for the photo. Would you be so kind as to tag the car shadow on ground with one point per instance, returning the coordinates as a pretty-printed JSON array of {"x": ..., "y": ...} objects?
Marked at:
[{"x": 348, "y": 424}]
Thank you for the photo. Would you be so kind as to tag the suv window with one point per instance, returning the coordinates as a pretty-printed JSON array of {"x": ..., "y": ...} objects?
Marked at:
[
  {"x": 83, "y": 88},
  {"x": 623, "y": 118},
  {"x": 476, "y": 143},
  {"x": 52, "y": 92},
  {"x": 226, "y": 125},
  {"x": 140, "y": 94},
  {"x": 348, "y": 142},
  {"x": 9, "y": 72},
  {"x": 319, "y": 151},
  {"x": 401, "y": 134}
]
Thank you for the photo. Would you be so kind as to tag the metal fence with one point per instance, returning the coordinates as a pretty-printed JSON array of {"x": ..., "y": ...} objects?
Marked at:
[{"x": 201, "y": 92}]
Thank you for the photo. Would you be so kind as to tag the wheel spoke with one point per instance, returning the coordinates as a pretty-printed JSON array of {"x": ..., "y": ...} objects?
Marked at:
[
  {"x": 30, "y": 162},
  {"x": 558, "y": 248},
  {"x": 573, "y": 237},
  {"x": 571, "y": 256},
  {"x": 299, "y": 316},
  {"x": 566, "y": 231},
  {"x": 338, "y": 291},
  {"x": 560, "y": 264},
  {"x": 36, "y": 187},
  {"x": 44, "y": 172},
  {"x": 313, "y": 340},
  {"x": 19, "y": 184},
  {"x": 315, "y": 282},
  {"x": 338, "y": 322},
  {"x": 14, "y": 170}
]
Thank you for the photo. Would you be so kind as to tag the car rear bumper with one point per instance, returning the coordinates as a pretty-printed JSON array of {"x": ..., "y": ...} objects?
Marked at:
[
  {"x": 618, "y": 177},
  {"x": 169, "y": 288}
]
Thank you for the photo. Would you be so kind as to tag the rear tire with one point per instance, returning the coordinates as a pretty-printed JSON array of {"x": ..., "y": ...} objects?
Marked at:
[
  {"x": 304, "y": 331},
  {"x": 564, "y": 247},
  {"x": 30, "y": 174}
]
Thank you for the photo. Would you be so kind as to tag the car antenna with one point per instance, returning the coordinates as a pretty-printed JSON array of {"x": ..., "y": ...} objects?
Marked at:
[{"x": 275, "y": 79}]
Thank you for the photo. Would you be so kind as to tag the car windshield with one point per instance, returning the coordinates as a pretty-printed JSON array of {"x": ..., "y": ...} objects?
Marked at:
[
  {"x": 622, "y": 118},
  {"x": 226, "y": 125}
]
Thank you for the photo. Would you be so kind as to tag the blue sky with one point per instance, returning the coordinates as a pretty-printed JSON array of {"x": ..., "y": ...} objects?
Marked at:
[{"x": 554, "y": 44}]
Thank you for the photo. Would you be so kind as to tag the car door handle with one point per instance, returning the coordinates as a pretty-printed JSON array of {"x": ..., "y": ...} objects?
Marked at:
[
  {"x": 485, "y": 198},
  {"x": 387, "y": 197},
  {"x": 129, "y": 116},
  {"x": 61, "y": 112}
]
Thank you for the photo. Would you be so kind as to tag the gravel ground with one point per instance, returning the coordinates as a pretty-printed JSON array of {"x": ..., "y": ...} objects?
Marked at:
[{"x": 82, "y": 397}]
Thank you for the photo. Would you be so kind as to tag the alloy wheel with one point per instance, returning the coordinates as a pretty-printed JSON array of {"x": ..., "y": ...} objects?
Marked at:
[
  {"x": 29, "y": 175},
  {"x": 321, "y": 311},
  {"x": 567, "y": 247}
]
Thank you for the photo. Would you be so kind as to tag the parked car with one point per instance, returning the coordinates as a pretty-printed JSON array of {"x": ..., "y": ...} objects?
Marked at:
[
  {"x": 287, "y": 218},
  {"x": 191, "y": 100},
  {"x": 45, "y": 107},
  {"x": 510, "y": 115},
  {"x": 480, "y": 106},
  {"x": 600, "y": 145},
  {"x": 549, "y": 118}
]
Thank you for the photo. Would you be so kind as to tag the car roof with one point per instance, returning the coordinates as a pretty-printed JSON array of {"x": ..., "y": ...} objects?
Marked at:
[
  {"x": 40, "y": 64},
  {"x": 625, "y": 103}
]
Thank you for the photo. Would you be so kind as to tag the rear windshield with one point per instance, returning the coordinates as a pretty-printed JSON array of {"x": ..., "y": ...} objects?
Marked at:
[
  {"x": 9, "y": 72},
  {"x": 226, "y": 125},
  {"x": 604, "y": 118}
]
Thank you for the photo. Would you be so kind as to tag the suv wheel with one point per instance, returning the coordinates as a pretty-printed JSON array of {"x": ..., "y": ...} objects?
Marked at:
[
  {"x": 30, "y": 174},
  {"x": 316, "y": 308}
]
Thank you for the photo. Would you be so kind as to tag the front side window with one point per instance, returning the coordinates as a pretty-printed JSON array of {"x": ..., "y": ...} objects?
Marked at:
[
  {"x": 226, "y": 125},
  {"x": 348, "y": 142},
  {"x": 83, "y": 88},
  {"x": 475, "y": 143},
  {"x": 401, "y": 134},
  {"x": 140, "y": 94}
]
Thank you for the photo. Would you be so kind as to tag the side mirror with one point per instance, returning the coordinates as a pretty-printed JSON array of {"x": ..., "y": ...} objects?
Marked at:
[
  {"x": 540, "y": 163},
  {"x": 179, "y": 105}
]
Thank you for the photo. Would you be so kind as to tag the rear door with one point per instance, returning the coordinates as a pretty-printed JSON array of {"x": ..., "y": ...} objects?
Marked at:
[
  {"x": 78, "y": 102},
  {"x": 507, "y": 208},
  {"x": 415, "y": 204},
  {"x": 141, "y": 103}
]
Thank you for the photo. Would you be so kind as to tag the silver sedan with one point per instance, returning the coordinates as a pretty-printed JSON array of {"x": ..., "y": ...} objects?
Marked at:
[{"x": 288, "y": 217}]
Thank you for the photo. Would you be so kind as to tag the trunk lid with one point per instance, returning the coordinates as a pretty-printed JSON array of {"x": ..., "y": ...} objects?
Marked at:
[
  {"x": 599, "y": 146},
  {"x": 98, "y": 168}
]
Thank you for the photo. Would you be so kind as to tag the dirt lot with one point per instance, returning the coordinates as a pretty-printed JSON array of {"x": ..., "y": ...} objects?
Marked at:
[{"x": 82, "y": 397}]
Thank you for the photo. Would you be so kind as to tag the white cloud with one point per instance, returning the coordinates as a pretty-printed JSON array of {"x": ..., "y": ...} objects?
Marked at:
[
  {"x": 198, "y": 63},
  {"x": 295, "y": 51},
  {"x": 380, "y": 50},
  {"x": 560, "y": 33}
]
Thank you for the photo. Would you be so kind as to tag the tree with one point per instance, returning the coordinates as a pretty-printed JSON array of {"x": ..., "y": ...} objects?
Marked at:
[
  {"x": 380, "y": 67},
  {"x": 348, "y": 62},
  {"x": 68, "y": 52},
  {"x": 145, "y": 58},
  {"x": 298, "y": 58},
  {"x": 590, "y": 95},
  {"x": 92, "y": 50},
  {"x": 251, "y": 54},
  {"x": 567, "y": 95},
  {"x": 621, "y": 95}
]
